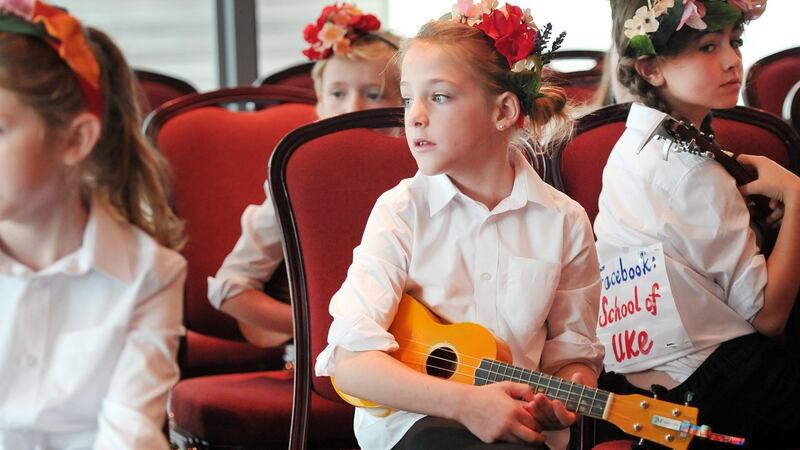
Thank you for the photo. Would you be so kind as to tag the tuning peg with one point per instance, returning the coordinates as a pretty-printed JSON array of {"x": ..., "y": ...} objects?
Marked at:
[
  {"x": 689, "y": 397},
  {"x": 657, "y": 390},
  {"x": 641, "y": 445}
]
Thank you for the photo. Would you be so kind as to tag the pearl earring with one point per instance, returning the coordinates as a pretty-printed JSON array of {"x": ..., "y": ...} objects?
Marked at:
[{"x": 500, "y": 126}]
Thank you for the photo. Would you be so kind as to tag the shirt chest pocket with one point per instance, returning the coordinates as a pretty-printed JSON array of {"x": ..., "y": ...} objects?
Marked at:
[
  {"x": 84, "y": 360},
  {"x": 530, "y": 290}
]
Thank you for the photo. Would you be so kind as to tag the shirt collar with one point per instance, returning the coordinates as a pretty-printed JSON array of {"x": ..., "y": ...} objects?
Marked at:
[
  {"x": 528, "y": 187},
  {"x": 642, "y": 118},
  {"x": 106, "y": 246},
  {"x": 108, "y": 243}
]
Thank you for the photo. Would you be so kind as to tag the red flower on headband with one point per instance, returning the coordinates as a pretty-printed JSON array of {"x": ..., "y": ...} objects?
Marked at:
[
  {"x": 336, "y": 28},
  {"x": 513, "y": 37}
]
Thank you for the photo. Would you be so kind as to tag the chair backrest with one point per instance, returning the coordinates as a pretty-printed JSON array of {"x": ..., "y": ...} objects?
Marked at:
[
  {"x": 769, "y": 79},
  {"x": 325, "y": 178},
  {"x": 578, "y": 166},
  {"x": 157, "y": 89},
  {"x": 748, "y": 130},
  {"x": 582, "y": 83},
  {"x": 791, "y": 107},
  {"x": 219, "y": 161},
  {"x": 298, "y": 75}
]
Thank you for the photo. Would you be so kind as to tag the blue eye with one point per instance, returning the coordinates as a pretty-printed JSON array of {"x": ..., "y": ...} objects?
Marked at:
[
  {"x": 440, "y": 98},
  {"x": 337, "y": 94}
]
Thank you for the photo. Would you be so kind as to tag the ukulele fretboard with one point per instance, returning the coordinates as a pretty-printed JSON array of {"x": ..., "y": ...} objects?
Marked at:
[{"x": 575, "y": 397}]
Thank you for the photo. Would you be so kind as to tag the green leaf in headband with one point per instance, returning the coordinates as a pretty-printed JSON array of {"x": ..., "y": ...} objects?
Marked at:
[
  {"x": 526, "y": 85},
  {"x": 667, "y": 23},
  {"x": 640, "y": 45},
  {"x": 15, "y": 25},
  {"x": 720, "y": 14}
]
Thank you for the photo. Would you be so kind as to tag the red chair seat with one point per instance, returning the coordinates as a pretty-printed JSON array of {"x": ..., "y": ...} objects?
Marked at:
[
  {"x": 614, "y": 445},
  {"x": 212, "y": 355},
  {"x": 256, "y": 404}
]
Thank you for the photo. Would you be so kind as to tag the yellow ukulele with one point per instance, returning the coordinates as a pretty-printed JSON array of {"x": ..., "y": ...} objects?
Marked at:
[{"x": 469, "y": 353}]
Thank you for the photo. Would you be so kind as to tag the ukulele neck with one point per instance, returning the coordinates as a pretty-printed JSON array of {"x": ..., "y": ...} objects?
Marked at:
[{"x": 575, "y": 397}]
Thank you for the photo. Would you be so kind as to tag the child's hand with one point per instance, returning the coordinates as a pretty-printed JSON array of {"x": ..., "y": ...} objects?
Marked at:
[
  {"x": 551, "y": 414},
  {"x": 498, "y": 412},
  {"x": 773, "y": 181}
]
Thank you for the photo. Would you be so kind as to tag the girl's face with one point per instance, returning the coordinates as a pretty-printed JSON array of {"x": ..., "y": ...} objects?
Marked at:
[
  {"x": 349, "y": 86},
  {"x": 30, "y": 174},
  {"x": 449, "y": 118},
  {"x": 706, "y": 75}
]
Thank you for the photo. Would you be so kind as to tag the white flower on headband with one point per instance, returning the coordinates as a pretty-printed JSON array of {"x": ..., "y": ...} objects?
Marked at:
[
  {"x": 465, "y": 11},
  {"x": 643, "y": 22},
  {"x": 22, "y": 8},
  {"x": 661, "y": 6}
]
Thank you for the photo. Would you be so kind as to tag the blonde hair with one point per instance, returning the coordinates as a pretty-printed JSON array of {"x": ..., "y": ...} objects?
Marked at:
[
  {"x": 122, "y": 168},
  {"x": 548, "y": 124},
  {"x": 373, "y": 46}
]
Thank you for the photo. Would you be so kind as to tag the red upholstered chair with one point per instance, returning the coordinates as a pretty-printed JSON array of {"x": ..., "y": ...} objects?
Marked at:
[
  {"x": 219, "y": 162},
  {"x": 298, "y": 75},
  {"x": 614, "y": 445},
  {"x": 791, "y": 107},
  {"x": 155, "y": 89},
  {"x": 769, "y": 79},
  {"x": 578, "y": 166},
  {"x": 325, "y": 178},
  {"x": 219, "y": 159},
  {"x": 582, "y": 83}
]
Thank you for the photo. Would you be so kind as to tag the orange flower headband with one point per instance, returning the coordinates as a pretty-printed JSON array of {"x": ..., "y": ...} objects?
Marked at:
[
  {"x": 62, "y": 32},
  {"x": 336, "y": 28}
]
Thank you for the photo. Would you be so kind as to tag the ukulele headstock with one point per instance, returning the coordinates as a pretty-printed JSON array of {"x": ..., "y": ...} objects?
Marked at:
[
  {"x": 661, "y": 422},
  {"x": 678, "y": 136}
]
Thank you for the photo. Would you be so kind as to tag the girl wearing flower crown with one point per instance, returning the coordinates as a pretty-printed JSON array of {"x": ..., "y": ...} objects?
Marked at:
[
  {"x": 91, "y": 285},
  {"x": 719, "y": 294},
  {"x": 353, "y": 71},
  {"x": 476, "y": 236}
]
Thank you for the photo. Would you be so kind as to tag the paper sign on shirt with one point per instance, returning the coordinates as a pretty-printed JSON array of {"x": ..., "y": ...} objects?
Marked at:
[{"x": 637, "y": 322}]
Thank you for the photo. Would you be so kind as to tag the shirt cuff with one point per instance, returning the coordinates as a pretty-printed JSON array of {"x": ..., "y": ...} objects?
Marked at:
[
  {"x": 746, "y": 295},
  {"x": 221, "y": 289},
  {"x": 357, "y": 334},
  {"x": 570, "y": 348}
]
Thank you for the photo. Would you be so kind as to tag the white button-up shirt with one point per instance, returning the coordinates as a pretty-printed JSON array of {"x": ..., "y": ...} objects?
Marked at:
[
  {"x": 254, "y": 258},
  {"x": 691, "y": 205},
  {"x": 526, "y": 270},
  {"x": 88, "y": 344}
]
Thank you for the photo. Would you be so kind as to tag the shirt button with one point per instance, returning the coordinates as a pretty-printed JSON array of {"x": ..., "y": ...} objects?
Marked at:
[
  {"x": 27, "y": 361},
  {"x": 486, "y": 276}
]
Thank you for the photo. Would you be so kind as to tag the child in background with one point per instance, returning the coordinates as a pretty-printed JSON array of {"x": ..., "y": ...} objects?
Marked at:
[
  {"x": 683, "y": 58},
  {"x": 353, "y": 72},
  {"x": 476, "y": 236},
  {"x": 91, "y": 286}
]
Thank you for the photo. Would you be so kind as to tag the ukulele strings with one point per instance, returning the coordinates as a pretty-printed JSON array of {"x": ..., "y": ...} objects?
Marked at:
[{"x": 600, "y": 394}]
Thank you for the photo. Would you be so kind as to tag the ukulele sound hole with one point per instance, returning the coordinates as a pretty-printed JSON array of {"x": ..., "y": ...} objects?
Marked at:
[{"x": 441, "y": 362}]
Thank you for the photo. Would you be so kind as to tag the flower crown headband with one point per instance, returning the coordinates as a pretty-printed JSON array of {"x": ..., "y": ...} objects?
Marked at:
[
  {"x": 64, "y": 34},
  {"x": 517, "y": 38},
  {"x": 336, "y": 28},
  {"x": 653, "y": 24}
]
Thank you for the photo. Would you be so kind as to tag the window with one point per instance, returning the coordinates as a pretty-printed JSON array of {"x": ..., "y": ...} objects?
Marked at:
[{"x": 175, "y": 37}]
